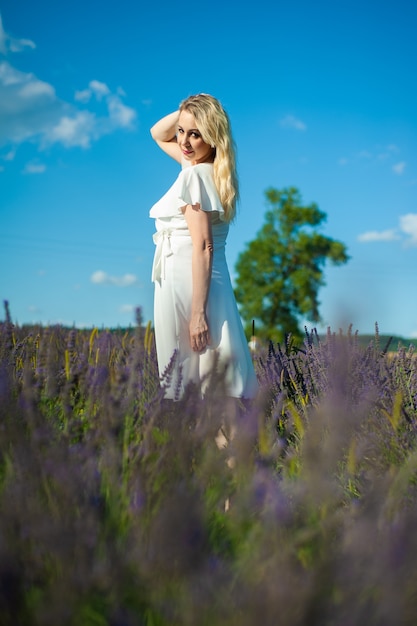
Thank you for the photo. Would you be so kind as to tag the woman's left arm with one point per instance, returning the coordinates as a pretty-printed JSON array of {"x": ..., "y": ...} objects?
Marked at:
[{"x": 199, "y": 225}]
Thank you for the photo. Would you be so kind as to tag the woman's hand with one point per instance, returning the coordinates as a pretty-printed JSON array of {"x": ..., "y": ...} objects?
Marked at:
[
  {"x": 199, "y": 332},
  {"x": 199, "y": 225}
]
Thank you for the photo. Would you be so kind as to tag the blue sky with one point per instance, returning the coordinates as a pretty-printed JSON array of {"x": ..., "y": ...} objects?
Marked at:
[{"x": 322, "y": 96}]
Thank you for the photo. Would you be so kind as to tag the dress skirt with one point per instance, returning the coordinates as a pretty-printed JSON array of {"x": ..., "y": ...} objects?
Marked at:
[{"x": 228, "y": 351}]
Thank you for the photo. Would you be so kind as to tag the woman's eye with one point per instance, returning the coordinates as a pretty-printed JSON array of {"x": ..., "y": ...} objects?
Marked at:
[{"x": 180, "y": 131}]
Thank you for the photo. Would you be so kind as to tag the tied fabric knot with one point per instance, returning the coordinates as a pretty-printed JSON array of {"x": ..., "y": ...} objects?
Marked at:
[{"x": 162, "y": 240}]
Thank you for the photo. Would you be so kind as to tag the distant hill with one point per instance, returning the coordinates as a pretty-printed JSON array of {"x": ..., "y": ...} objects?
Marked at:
[
  {"x": 394, "y": 340},
  {"x": 386, "y": 342}
]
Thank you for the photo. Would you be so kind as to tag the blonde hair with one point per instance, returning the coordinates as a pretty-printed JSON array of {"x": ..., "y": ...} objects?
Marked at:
[{"x": 214, "y": 126}]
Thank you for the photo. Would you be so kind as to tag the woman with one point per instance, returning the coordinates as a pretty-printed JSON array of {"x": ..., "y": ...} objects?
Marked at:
[{"x": 197, "y": 324}]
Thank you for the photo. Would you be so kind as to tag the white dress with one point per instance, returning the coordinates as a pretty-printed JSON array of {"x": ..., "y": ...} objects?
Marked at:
[{"x": 172, "y": 275}]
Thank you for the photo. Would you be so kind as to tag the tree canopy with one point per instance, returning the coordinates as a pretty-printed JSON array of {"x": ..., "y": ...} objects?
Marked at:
[{"x": 280, "y": 272}]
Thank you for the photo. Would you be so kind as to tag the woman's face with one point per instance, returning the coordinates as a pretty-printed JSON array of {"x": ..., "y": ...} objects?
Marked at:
[{"x": 191, "y": 142}]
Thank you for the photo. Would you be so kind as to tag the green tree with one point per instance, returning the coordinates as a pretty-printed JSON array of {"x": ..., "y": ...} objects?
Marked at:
[{"x": 280, "y": 272}]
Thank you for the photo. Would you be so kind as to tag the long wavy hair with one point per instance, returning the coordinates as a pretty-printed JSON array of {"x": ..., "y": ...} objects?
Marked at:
[{"x": 214, "y": 126}]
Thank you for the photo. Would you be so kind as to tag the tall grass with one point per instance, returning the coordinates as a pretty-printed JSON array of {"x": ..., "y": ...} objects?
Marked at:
[{"x": 119, "y": 508}]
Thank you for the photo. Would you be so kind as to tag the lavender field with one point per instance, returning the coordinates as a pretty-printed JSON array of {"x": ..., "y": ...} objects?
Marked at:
[{"x": 121, "y": 509}]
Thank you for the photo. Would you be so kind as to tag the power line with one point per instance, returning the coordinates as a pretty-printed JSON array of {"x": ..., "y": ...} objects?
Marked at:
[{"x": 56, "y": 246}]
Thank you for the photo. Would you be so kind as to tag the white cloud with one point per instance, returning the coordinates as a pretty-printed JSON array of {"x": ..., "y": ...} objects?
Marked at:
[
  {"x": 95, "y": 88},
  {"x": 78, "y": 130},
  {"x": 375, "y": 235},
  {"x": 28, "y": 106},
  {"x": 408, "y": 225},
  {"x": 34, "y": 168},
  {"x": 289, "y": 121},
  {"x": 122, "y": 115},
  {"x": 99, "y": 89},
  {"x": 30, "y": 109},
  {"x": 23, "y": 85},
  {"x": 399, "y": 168},
  {"x": 11, "y": 44},
  {"x": 83, "y": 96},
  {"x": 36, "y": 89},
  {"x": 127, "y": 308},
  {"x": 102, "y": 278}
]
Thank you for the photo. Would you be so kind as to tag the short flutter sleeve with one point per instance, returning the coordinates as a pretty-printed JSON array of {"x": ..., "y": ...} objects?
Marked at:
[{"x": 194, "y": 185}]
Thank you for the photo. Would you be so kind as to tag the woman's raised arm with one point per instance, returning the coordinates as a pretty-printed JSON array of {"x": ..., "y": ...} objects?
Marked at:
[{"x": 164, "y": 133}]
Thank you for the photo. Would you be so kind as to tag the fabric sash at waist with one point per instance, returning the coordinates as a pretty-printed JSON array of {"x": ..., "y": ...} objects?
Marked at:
[{"x": 162, "y": 240}]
